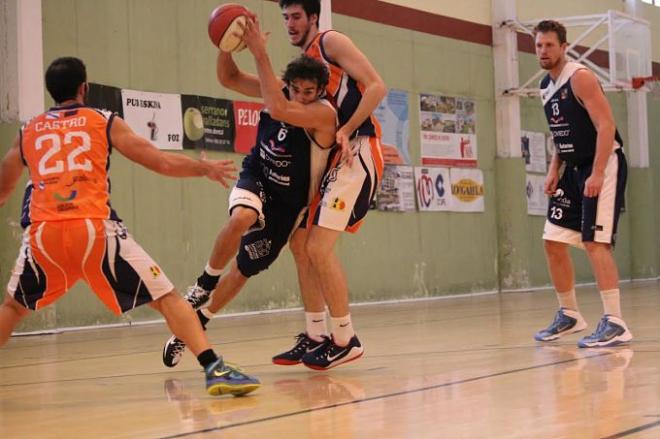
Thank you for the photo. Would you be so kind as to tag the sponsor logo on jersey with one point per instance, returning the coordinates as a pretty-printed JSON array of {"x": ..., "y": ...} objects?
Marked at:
[
  {"x": 275, "y": 162},
  {"x": 66, "y": 207},
  {"x": 70, "y": 197},
  {"x": 565, "y": 147},
  {"x": 155, "y": 271}
]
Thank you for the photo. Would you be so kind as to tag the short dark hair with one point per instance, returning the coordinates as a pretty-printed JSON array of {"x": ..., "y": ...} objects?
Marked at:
[
  {"x": 306, "y": 67},
  {"x": 310, "y": 7},
  {"x": 551, "y": 26},
  {"x": 64, "y": 76}
]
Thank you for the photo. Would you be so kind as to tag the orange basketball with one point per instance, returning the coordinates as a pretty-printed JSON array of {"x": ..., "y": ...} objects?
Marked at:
[{"x": 224, "y": 29}]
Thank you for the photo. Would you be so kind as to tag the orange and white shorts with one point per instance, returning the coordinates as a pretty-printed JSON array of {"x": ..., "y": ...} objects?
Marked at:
[
  {"x": 56, "y": 254},
  {"x": 347, "y": 192}
]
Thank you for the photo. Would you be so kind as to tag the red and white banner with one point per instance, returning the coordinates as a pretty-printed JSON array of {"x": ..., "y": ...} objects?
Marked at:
[{"x": 246, "y": 118}]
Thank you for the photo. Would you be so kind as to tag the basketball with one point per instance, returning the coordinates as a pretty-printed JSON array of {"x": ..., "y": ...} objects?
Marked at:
[{"x": 224, "y": 29}]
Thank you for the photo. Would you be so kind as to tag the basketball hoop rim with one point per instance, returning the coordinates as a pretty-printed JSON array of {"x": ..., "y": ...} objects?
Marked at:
[{"x": 638, "y": 82}]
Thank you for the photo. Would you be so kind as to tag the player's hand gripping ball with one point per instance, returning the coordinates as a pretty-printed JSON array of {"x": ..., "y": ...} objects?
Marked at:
[{"x": 224, "y": 28}]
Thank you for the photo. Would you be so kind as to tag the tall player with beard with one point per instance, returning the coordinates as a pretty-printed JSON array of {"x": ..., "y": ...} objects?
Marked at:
[{"x": 586, "y": 182}]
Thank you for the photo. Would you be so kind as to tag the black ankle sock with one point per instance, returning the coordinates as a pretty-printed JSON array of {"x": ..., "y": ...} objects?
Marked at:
[
  {"x": 202, "y": 319},
  {"x": 207, "y": 358},
  {"x": 207, "y": 281}
]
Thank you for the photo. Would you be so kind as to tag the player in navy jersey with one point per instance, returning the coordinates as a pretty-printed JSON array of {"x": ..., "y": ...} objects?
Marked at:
[
  {"x": 273, "y": 189},
  {"x": 586, "y": 182}
]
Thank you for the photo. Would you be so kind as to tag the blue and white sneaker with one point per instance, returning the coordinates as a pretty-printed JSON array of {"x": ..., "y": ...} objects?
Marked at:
[
  {"x": 566, "y": 322},
  {"x": 611, "y": 331}
]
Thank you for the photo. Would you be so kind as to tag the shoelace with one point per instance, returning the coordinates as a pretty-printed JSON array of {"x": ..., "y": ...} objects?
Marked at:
[
  {"x": 195, "y": 295},
  {"x": 557, "y": 320},
  {"x": 179, "y": 347},
  {"x": 302, "y": 341},
  {"x": 325, "y": 348},
  {"x": 600, "y": 329}
]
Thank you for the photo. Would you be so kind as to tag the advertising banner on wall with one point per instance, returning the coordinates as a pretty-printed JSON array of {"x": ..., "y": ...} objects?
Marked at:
[
  {"x": 397, "y": 190},
  {"x": 537, "y": 201},
  {"x": 155, "y": 116},
  {"x": 532, "y": 145},
  {"x": 208, "y": 123},
  {"x": 246, "y": 120},
  {"x": 433, "y": 189},
  {"x": 392, "y": 113},
  {"x": 448, "y": 130},
  {"x": 467, "y": 190},
  {"x": 105, "y": 97}
]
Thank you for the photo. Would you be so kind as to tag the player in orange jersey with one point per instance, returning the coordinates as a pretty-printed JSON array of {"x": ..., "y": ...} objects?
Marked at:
[
  {"x": 72, "y": 232},
  {"x": 346, "y": 192}
]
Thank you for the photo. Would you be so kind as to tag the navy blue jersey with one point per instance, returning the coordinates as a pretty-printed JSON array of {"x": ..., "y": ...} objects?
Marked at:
[
  {"x": 281, "y": 158},
  {"x": 571, "y": 127}
]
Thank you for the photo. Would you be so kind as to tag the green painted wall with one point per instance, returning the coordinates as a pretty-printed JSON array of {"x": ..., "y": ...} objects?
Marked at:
[
  {"x": 653, "y": 203},
  {"x": 161, "y": 45}
]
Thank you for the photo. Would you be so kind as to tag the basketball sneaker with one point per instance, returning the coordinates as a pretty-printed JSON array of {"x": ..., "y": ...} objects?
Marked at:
[
  {"x": 197, "y": 296},
  {"x": 222, "y": 379},
  {"x": 611, "y": 331},
  {"x": 566, "y": 322},
  {"x": 293, "y": 356},
  {"x": 173, "y": 351},
  {"x": 329, "y": 354}
]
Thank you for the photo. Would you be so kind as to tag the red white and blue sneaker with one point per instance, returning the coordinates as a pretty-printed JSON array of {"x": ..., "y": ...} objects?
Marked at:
[
  {"x": 611, "y": 331},
  {"x": 330, "y": 355},
  {"x": 304, "y": 344},
  {"x": 566, "y": 322}
]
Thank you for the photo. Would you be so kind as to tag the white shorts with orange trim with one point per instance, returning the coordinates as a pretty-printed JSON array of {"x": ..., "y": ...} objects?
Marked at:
[{"x": 347, "y": 191}]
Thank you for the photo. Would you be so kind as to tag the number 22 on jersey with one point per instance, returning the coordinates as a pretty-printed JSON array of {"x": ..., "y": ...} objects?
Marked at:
[{"x": 54, "y": 142}]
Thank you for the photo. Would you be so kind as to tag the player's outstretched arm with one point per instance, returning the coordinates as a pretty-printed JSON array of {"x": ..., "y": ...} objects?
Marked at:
[
  {"x": 315, "y": 116},
  {"x": 140, "y": 150},
  {"x": 233, "y": 78},
  {"x": 11, "y": 169}
]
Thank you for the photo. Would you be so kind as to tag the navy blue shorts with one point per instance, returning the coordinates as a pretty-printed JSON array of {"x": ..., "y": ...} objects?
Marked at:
[
  {"x": 573, "y": 218},
  {"x": 261, "y": 245}
]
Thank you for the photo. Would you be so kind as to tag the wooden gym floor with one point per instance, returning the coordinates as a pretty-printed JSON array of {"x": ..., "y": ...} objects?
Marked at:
[{"x": 454, "y": 368}]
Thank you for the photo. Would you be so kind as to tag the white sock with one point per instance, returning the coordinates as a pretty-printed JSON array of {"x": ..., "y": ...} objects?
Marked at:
[
  {"x": 316, "y": 325},
  {"x": 207, "y": 313},
  {"x": 611, "y": 302},
  {"x": 342, "y": 329},
  {"x": 567, "y": 299},
  {"x": 212, "y": 271}
]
